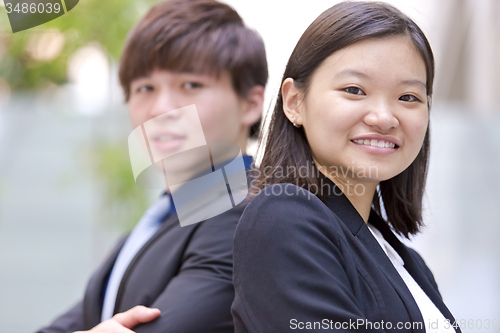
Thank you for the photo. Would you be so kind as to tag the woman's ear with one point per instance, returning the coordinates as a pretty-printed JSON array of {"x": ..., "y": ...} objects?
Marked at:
[
  {"x": 291, "y": 102},
  {"x": 254, "y": 103}
]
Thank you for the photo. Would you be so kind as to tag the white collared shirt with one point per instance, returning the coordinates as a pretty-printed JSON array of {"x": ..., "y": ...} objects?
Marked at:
[{"x": 434, "y": 320}]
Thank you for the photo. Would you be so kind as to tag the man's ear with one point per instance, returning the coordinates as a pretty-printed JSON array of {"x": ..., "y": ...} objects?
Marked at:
[
  {"x": 291, "y": 101},
  {"x": 254, "y": 105}
]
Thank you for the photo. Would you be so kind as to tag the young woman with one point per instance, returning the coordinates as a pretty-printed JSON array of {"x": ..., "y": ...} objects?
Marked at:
[{"x": 343, "y": 169}]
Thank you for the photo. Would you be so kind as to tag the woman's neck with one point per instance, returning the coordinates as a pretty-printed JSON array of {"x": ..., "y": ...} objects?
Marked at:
[{"x": 359, "y": 193}]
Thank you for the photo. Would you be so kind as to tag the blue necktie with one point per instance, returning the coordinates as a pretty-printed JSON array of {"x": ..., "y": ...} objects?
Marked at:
[{"x": 143, "y": 231}]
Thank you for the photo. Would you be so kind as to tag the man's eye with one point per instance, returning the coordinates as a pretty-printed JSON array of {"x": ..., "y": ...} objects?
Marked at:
[
  {"x": 144, "y": 88},
  {"x": 409, "y": 98},
  {"x": 354, "y": 91},
  {"x": 192, "y": 85}
]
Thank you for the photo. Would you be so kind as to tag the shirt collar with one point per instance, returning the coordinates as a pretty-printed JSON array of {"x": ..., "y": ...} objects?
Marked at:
[{"x": 247, "y": 160}]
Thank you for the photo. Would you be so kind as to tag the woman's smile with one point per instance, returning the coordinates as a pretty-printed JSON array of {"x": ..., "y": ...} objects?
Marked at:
[
  {"x": 376, "y": 147},
  {"x": 366, "y": 108},
  {"x": 377, "y": 144}
]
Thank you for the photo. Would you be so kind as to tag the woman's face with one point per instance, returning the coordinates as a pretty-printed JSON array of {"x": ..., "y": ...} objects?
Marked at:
[{"x": 365, "y": 113}]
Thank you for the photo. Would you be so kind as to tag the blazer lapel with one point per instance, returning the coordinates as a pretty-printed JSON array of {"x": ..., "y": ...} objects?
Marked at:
[
  {"x": 342, "y": 207},
  {"x": 170, "y": 222},
  {"x": 390, "y": 272},
  {"x": 94, "y": 294},
  {"x": 411, "y": 265}
]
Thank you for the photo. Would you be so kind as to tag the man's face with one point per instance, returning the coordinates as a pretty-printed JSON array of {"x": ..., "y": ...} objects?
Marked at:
[
  {"x": 220, "y": 112},
  {"x": 220, "y": 109}
]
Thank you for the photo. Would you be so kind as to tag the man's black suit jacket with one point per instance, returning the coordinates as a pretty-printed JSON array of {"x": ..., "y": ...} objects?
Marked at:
[
  {"x": 186, "y": 272},
  {"x": 299, "y": 260}
]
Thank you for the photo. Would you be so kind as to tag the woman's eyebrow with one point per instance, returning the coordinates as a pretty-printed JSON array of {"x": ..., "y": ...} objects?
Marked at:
[
  {"x": 414, "y": 83},
  {"x": 351, "y": 72},
  {"x": 354, "y": 72}
]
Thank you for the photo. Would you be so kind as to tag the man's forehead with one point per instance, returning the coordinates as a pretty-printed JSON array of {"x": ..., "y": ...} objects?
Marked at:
[{"x": 158, "y": 72}]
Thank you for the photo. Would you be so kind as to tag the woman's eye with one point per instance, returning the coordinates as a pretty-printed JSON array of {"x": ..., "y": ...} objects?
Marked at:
[
  {"x": 409, "y": 98},
  {"x": 354, "y": 91},
  {"x": 192, "y": 85}
]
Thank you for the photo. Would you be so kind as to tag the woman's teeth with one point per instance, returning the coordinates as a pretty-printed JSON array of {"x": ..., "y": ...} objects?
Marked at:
[{"x": 376, "y": 143}]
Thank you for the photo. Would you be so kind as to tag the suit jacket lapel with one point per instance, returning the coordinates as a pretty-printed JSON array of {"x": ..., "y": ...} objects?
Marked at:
[
  {"x": 342, "y": 207},
  {"x": 390, "y": 272},
  {"x": 170, "y": 222},
  {"x": 94, "y": 294},
  {"x": 411, "y": 265}
]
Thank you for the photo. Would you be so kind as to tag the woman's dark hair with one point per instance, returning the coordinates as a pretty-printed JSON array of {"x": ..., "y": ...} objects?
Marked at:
[
  {"x": 198, "y": 36},
  {"x": 286, "y": 147}
]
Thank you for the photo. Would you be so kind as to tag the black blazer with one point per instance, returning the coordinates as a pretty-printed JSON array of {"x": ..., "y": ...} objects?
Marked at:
[
  {"x": 186, "y": 272},
  {"x": 297, "y": 258}
]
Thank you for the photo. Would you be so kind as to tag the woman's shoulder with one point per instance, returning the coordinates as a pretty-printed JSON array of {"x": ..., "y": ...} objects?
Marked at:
[
  {"x": 287, "y": 207},
  {"x": 287, "y": 197},
  {"x": 286, "y": 193}
]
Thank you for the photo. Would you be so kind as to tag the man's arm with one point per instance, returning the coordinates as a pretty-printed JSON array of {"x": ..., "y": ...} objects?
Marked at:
[
  {"x": 73, "y": 320},
  {"x": 124, "y": 322},
  {"x": 199, "y": 298},
  {"x": 68, "y": 322}
]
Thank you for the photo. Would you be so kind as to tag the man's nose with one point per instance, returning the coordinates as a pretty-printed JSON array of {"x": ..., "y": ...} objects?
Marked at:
[{"x": 166, "y": 105}]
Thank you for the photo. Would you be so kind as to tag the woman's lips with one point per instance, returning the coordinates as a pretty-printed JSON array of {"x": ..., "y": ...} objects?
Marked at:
[{"x": 376, "y": 146}]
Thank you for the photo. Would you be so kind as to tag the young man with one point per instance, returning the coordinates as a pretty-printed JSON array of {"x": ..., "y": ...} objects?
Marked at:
[{"x": 182, "y": 52}]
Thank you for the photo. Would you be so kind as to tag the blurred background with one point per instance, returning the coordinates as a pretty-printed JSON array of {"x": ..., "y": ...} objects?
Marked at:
[{"x": 66, "y": 186}]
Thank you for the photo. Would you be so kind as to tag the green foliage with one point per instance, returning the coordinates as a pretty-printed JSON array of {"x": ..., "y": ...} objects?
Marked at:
[
  {"x": 124, "y": 202},
  {"x": 105, "y": 22}
]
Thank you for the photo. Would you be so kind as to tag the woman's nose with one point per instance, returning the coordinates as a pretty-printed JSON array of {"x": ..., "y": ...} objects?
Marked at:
[{"x": 381, "y": 115}]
